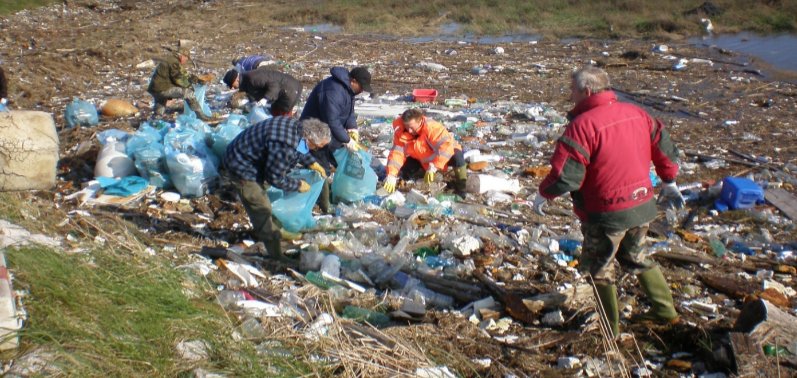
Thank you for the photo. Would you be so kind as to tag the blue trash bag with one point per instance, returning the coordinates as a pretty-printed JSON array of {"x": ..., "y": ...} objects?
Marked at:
[
  {"x": 122, "y": 187},
  {"x": 258, "y": 114},
  {"x": 151, "y": 165},
  {"x": 354, "y": 178},
  {"x": 190, "y": 140},
  {"x": 115, "y": 134},
  {"x": 237, "y": 120},
  {"x": 295, "y": 210},
  {"x": 199, "y": 93},
  {"x": 192, "y": 173},
  {"x": 144, "y": 136},
  {"x": 3, "y": 108},
  {"x": 81, "y": 113},
  {"x": 190, "y": 121},
  {"x": 222, "y": 137}
]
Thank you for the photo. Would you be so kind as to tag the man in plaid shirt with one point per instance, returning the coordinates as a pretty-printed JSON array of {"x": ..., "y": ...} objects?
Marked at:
[{"x": 261, "y": 156}]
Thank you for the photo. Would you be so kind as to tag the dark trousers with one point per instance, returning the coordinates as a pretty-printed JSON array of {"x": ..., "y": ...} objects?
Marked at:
[
  {"x": 413, "y": 165},
  {"x": 258, "y": 208}
]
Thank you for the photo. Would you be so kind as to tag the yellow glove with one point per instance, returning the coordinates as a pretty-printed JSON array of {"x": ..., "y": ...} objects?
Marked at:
[
  {"x": 318, "y": 168},
  {"x": 354, "y": 134},
  {"x": 305, "y": 187},
  {"x": 390, "y": 184},
  {"x": 429, "y": 176}
]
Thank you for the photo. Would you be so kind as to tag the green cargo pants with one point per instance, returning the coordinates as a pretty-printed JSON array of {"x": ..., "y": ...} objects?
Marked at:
[
  {"x": 602, "y": 246},
  {"x": 258, "y": 208}
]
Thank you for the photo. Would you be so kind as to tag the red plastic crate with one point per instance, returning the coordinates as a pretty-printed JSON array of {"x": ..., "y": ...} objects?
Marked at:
[{"x": 424, "y": 95}]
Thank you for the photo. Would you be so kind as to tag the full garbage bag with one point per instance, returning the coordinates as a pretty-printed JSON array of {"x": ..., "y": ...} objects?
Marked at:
[
  {"x": 295, "y": 210},
  {"x": 354, "y": 178},
  {"x": 190, "y": 164},
  {"x": 199, "y": 93},
  {"x": 81, "y": 113},
  {"x": 222, "y": 137},
  {"x": 144, "y": 136},
  {"x": 189, "y": 139},
  {"x": 151, "y": 165}
]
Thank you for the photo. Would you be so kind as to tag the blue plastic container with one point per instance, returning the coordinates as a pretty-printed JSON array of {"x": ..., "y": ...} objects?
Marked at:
[{"x": 741, "y": 193}]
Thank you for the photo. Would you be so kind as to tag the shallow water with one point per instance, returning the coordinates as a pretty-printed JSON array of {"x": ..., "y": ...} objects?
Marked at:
[{"x": 778, "y": 50}]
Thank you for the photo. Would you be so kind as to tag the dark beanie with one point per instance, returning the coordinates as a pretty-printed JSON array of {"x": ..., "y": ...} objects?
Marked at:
[{"x": 230, "y": 77}]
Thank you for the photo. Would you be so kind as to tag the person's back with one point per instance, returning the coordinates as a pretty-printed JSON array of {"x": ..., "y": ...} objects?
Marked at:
[
  {"x": 246, "y": 154},
  {"x": 166, "y": 73},
  {"x": 264, "y": 83}
]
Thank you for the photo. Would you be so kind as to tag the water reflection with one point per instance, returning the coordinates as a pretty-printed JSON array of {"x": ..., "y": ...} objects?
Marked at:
[{"x": 778, "y": 50}]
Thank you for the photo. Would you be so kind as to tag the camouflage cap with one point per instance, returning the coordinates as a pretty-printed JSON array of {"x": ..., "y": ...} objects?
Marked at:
[{"x": 184, "y": 52}]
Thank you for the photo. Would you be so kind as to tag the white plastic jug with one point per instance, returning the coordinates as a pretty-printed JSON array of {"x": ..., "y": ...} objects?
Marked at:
[{"x": 113, "y": 162}]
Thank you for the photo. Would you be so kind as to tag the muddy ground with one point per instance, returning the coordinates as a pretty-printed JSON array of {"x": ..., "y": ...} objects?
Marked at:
[{"x": 92, "y": 49}]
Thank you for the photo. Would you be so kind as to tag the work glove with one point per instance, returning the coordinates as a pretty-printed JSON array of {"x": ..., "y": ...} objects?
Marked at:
[
  {"x": 670, "y": 193},
  {"x": 429, "y": 176},
  {"x": 318, "y": 168},
  {"x": 390, "y": 184},
  {"x": 352, "y": 145},
  {"x": 354, "y": 134},
  {"x": 539, "y": 202},
  {"x": 304, "y": 187},
  {"x": 263, "y": 102}
]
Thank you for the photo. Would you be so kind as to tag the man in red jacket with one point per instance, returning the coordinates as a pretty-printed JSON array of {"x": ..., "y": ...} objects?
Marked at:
[{"x": 603, "y": 160}]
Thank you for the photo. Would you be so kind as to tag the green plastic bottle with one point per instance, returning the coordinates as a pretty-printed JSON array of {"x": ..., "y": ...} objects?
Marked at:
[
  {"x": 319, "y": 280},
  {"x": 717, "y": 246},
  {"x": 362, "y": 315}
]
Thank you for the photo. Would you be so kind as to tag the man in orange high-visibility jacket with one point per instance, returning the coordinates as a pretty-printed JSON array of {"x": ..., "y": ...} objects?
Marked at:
[{"x": 418, "y": 143}]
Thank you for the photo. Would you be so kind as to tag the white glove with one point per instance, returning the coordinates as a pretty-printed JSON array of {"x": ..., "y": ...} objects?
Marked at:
[
  {"x": 263, "y": 102},
  {"x": 539, "y": 202},
  {"x": 670, "y": 193},
  {"x": 352, "y": 146},
  {"x": 4, "y": 101}
]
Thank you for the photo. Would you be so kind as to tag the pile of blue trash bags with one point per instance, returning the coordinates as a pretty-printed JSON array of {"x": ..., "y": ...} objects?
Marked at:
[{"x": 185, "y": 155}]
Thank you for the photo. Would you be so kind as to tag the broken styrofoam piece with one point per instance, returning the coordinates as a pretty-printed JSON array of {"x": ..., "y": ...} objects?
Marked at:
[
  {"x": 482, "y": 363},
  {"x": 703, "y": 308},
  {"x": 554, "y": 318},
  {"x": 464, "y": 246},
  {"x": 434, "y": 372},
  {"x": 484, "y": 183}
]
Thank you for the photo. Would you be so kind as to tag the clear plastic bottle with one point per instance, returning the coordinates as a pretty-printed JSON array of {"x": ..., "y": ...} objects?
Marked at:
[
  {"x": 428, "y": 297},
  {"x": 230, "y": 298}
]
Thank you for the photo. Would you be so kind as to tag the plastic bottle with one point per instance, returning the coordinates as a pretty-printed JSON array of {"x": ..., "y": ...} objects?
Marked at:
[
  {"x": 717, "y": 246},
  {"x": 230, "y": 298},
  {"x": 428, "y": 297},
  {"x": 360, "y": 314},
  {"x": 331, "y": 265},
  {"x": 318, "y": 280},
  {"x": 741, "y": 248},
  {"x": 252, "y": 329}
]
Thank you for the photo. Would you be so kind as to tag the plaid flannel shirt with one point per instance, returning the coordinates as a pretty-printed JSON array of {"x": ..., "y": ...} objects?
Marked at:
[{"x": 266, "y": 151}]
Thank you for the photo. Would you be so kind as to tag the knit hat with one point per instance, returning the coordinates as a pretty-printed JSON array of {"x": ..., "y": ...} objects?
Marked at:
[{"x": 229, "y": 78}]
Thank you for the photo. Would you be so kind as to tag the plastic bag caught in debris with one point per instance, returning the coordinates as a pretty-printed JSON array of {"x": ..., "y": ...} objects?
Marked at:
[
  {"x": 191, "y": 166},
  {"x": 81, "y": 113},
  {"x": 143, "y": 138},
  {"x": 222, "y": 137},
  {"x": 258, "y": 114},
  {"x": 199, "y": 93},
  {"x": 294, "y": 209},
  {"x": 354, "y": 178}
]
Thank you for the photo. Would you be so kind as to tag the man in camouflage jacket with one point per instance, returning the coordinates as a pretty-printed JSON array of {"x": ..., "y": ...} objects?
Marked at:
[{"x": 171, "y": 80}]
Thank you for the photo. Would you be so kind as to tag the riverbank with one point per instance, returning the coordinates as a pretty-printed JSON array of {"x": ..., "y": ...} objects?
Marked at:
[{"x": 673, "y": 20}]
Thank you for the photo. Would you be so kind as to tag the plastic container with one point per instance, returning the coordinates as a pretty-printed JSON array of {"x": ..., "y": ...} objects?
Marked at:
[
  {"x": 230, "y": 298},
  {"x": 741, "y": 193},
  {"x": 362, "y": 315},
  {"x": 424, "y": 95},
  {"x": 318, "y": 280}
]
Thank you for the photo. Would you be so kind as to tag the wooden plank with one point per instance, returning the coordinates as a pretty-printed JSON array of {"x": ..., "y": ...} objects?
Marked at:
[
  {"x": 747, "y": 355},
  {"x": 785, "y": 202}
]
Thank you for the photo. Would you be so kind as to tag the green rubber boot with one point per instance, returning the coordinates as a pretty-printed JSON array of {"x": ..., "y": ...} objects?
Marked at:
[
  {"x": 274, "y": 248},
  {"x": 662, "y": 310},
  {"x": 323, "y": 199},
  {"x": 460, "y": 180},
  {"x": 287, "y": 235},
  {"x": 608, "y": 297}
]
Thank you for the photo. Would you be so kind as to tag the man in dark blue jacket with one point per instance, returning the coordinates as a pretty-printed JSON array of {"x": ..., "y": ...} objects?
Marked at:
[{"x": 332, "y": 102}]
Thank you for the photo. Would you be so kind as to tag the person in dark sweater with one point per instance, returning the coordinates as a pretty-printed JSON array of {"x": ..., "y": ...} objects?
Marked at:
[{"x": 280, "y": 90}]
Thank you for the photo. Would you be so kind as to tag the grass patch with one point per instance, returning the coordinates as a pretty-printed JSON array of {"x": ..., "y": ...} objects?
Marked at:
[
  {"x": 9, "y": 6},
  {"x": 104, "y": 314}
]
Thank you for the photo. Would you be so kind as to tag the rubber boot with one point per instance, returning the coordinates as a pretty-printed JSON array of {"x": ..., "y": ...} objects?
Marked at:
[
  {"x": 460, "y": 181},
  {"x": 274, "y": 248},
  {"x": 323, "y": 199},
  {"x": 160, "y": 109},
  {"x": 608, "y": 297},
  {"x": 193, "y": 104},
  {"x": 662, "y": 310}
]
